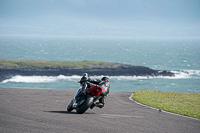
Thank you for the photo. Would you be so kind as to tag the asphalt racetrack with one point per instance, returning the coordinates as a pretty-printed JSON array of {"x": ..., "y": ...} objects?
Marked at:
[{"x": 44, "y": 111}]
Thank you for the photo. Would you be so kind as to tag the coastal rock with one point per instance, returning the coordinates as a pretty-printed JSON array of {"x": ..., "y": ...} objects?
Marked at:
[{"x": 116, "y": 69}]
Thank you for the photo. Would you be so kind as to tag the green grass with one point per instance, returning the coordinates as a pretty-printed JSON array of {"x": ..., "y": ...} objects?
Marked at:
[
  {"x": 187, "y": 104},
  {"x": 41, "y": 64}
]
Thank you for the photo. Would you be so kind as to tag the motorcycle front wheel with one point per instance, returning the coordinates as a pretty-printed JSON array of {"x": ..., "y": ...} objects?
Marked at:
[
  {"x": 88, "y": 102},
  {"x": 69, "y": 108}
]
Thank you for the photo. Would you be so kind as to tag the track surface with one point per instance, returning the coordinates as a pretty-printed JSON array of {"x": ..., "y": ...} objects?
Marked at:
[{"x": 44, "y": 110}]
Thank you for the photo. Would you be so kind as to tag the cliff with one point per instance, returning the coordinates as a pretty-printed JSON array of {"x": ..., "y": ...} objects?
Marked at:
[{"x": 9, "y": 68}]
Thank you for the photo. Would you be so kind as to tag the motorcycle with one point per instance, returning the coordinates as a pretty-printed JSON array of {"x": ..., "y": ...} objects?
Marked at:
[{"x": 85, "y": 97}]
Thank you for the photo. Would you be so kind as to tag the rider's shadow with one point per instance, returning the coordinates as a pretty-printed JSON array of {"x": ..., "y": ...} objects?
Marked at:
[
  {"x": 66, "y": 112},
  {"x": 61, "y": 112}
]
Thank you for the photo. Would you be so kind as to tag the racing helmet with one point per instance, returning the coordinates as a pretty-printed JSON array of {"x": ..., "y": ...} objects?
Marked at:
[{"x": 85, "y": 75}]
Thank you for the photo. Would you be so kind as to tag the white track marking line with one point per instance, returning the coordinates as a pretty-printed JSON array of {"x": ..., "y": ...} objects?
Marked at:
[{"x": 119, "y": 116}]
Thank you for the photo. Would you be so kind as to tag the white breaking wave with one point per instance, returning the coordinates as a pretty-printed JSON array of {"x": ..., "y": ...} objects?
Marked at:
[
  {"x": 41, "y": 79},
  {"x": 186, "y": 73},
  {"x": 46, "y": 79}
]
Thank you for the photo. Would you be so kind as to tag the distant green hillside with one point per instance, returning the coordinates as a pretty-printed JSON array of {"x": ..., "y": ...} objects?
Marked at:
[{"x": 5, "y": 63}]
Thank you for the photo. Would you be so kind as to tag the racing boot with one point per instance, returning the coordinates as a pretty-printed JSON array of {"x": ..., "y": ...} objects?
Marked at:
[
  {"x": 100, "y": 105},
  {"x": 101, "y": 102}
]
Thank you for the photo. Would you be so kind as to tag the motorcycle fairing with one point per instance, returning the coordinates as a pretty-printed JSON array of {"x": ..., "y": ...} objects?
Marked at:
[
  {"x": 96, "y": 90},
  {"x": 75, "y": 103}
]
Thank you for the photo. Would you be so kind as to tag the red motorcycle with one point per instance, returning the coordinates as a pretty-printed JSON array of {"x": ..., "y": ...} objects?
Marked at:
[{"x": 85, "y": 98}]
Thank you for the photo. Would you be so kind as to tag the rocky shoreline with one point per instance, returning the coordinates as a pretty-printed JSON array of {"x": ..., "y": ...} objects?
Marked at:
[{"x": 114, "y": 69}]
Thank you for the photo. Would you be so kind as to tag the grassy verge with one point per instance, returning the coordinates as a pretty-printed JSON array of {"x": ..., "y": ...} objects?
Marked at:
[
  {"x": 187, "y": 104},
  {"x": 5, "y": 63}
]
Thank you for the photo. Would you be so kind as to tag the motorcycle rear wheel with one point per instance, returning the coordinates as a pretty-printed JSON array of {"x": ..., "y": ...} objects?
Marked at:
[{"x": 88, "y": 102}]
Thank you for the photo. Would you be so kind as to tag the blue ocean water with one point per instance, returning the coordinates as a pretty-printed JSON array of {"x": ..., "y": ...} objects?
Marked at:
[{"x": 159, "y": 54}]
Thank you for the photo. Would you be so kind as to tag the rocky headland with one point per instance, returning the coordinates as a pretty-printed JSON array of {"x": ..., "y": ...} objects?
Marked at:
[{"x": 93, "y": 69}]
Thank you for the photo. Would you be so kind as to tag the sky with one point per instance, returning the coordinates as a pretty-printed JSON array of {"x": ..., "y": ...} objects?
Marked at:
[{"x": 101, "y": 18}]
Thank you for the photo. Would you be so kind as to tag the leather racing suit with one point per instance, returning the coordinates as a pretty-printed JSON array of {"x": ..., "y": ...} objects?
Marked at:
[{"x": 104, "y": 83}]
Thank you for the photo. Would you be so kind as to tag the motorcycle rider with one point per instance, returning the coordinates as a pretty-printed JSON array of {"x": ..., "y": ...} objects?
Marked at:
[{"x": 104, "y": 83}]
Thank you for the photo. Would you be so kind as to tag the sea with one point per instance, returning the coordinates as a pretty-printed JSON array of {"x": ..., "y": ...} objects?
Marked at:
[{"x": 180, "y": 55}]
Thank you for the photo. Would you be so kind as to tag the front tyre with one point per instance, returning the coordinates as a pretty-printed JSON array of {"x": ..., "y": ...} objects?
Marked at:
[
  {"x": 88, "y": 102},
  {"x": 69, "y": 108}
]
